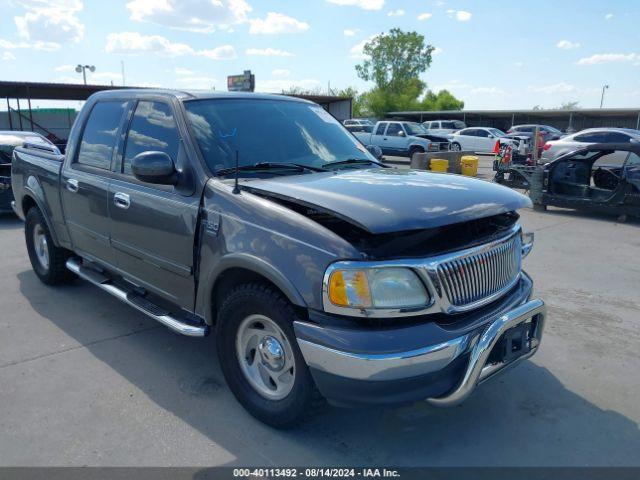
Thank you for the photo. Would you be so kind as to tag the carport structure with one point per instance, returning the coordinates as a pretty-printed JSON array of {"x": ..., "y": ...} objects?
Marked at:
[
  {"x": 21, "y": 118},
  {"x": 565, "y": 120}
]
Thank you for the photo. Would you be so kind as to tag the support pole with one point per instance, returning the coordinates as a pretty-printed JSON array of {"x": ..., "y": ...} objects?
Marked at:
[
  {"x": 9, "y": 115},
  {"x": 30, "y": 112},
  {"x": 19, "y": 114},
  {"x": 638, "y": 122}
]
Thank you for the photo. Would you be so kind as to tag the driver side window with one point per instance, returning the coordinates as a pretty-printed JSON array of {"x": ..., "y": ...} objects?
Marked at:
[
  {"x": 395, "y": 130},
  {"x": 153, "y": 127}
]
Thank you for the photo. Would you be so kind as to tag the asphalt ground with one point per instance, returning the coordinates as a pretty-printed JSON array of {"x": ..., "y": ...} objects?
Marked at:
[{"x": 86, "y": 380}]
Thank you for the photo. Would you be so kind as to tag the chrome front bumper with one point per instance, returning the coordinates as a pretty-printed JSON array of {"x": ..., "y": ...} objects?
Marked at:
[{"x": 404, "y": 365}]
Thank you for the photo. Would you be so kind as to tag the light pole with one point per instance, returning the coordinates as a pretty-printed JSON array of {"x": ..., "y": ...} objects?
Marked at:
[
  {"x": 604, "y": 87},
  {"x": 83, "y": 68}
]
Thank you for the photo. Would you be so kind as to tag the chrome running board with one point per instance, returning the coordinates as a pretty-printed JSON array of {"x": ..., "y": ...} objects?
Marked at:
[{"x": 136, "y": 301}]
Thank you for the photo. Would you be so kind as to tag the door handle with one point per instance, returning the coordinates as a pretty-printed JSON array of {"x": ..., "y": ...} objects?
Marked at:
[
  {"x": 121, "y": 200},
  {"x": 72, "y": 185}
]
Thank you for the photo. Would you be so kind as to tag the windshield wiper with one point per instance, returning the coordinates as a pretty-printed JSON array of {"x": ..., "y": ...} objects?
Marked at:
[
  {"x": 298, "y": 167},
  {"x": 353, "y": 161}
]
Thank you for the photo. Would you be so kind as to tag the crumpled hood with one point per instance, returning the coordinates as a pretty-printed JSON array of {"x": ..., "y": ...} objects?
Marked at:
[{"x": 390, "y": 200}]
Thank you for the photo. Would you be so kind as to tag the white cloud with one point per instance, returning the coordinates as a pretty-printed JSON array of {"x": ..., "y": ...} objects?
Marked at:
[
  {"x": 518, "y": 64},
  {"x": 425, "y": 16},
  {"x": 65, "y": 68},
  {"x": 201, "y": 16},
  {"x": 561, "y": 87},
  {"x": 280, "y": 85},
  {"x": 488, "y": 91},
  {"x": 280, "y": 72},
  {"x": 567, "y": 45},
  {"x": 268, "y": 52},
  {"x": 396, "y": 13},
  {"x": 8, "y": 56},
  {"x": 608, "y": 16},
  {"x": 43, "y": 46},
  {"x": 364, "y": 4},
  {"x": 224, "y": 52},
  {"x": 350, "y": 32},
  {"x": 135, "y": 43},
  {"x": 357, "y": 50},
  {"x": 197, "y": 82},
  {"x": 183, "y": 71},
  {"x": 460, "y": 15},
  {"x": 54, "y": 22},
  {"x": 277, "y": 23},
  {"x": 599, "y": 58}
]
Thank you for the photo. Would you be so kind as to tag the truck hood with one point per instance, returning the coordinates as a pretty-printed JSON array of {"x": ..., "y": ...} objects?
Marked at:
[{"x": 381, "y": 200}]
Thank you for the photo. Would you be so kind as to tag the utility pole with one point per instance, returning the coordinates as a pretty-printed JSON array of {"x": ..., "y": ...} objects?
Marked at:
[
  {"x": 83, "y": 69},
  {"x": 604, "y": 87},
  {"x": 122, "y": 66}
]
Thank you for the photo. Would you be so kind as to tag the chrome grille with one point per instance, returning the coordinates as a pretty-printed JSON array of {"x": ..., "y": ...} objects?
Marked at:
[{"x": 470, "y": 279}]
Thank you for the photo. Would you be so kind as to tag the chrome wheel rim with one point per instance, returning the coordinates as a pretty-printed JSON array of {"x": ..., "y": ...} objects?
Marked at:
[
  {"x": 40, "y": 246},
  {"x": 265, "y": 356},
  {"x": 456, "y": 147}
]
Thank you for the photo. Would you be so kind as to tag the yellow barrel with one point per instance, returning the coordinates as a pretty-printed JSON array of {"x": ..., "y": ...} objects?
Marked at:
[
  {"x": 439, "y": 165},
  {"x": 469, "y": 165}
]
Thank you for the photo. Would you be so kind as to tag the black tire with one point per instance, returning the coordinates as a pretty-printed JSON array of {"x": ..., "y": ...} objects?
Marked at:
[
  {"x": 456, "y": 147},
  {"x": 414, "y": 150},
  {"x": 240, "y": 303},
  {"x": 55, "y": 272}
]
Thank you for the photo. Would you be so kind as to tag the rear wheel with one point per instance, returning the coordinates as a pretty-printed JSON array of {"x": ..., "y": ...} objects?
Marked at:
[
  {"x": 260, "y": 357},
  {"x": 47, "y": 260}
]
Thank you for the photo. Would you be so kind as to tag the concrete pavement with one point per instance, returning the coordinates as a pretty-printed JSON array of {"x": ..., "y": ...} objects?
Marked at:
[{"x": 85, "y": 380}]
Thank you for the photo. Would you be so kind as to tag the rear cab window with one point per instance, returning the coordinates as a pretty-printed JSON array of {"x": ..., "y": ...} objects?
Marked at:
[
  {"x": 100, "y": 134},
  {"x": 381, "y": 127}
]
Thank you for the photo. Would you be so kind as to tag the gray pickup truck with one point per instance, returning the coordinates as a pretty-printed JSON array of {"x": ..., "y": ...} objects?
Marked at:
[{"x": 322, "y": 272}]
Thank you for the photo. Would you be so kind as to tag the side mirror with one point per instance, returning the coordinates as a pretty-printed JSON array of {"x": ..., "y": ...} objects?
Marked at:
[
  {"x": 375, "y": 150},
  {"x": 491, "y": 136},
  {"x": 154, "y": 167}
]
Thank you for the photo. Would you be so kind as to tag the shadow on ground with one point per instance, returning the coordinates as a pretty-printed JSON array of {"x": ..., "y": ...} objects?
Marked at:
[{"x": 526, "y": 417}]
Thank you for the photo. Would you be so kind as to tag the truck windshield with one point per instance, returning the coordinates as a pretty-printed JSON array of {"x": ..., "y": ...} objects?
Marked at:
[
  {"x": 415, "y": 129},
  {"x": 269, "y": 131}
]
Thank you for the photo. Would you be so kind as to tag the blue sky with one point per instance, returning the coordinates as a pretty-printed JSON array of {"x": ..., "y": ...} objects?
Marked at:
[{"x": 492, "y": 54}]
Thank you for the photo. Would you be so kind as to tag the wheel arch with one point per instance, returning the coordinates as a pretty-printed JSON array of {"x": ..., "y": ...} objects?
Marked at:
[
  {"x": 238, "y": 269},
  {"x": 33, "y": 196}
]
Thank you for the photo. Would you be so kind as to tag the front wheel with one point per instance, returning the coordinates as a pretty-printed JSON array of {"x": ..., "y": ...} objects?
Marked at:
[
  {"x": 47, "y": 260},
  {"x": 456, "y": 147},
  {"x": 260, "y": 357}
]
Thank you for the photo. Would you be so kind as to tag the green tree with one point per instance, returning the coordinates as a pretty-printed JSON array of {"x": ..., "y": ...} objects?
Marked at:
[
  {"x": 570, "y": 106},
  {"x": 443, "y": 100},
  {"x": 394, "y": 62}
]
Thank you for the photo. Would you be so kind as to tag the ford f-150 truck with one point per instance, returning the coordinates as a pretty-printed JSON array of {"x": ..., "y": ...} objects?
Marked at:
[
  {"x": 403, "y": 139},
  {"x": 322, "y": 272}
]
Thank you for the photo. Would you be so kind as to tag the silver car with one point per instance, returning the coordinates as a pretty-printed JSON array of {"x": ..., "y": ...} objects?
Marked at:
[{"x": 554, "y": 148}]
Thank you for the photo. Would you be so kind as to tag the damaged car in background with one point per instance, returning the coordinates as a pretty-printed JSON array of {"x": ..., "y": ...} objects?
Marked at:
[{"x": 262, "y": 220}]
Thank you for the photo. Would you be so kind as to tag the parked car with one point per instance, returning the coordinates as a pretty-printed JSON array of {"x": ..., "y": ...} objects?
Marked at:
[
  {"x": 598, "y": 177},
  {"x": 261, "y": 219},
  {"x": 444, "y": 127},
  {"x": 555, "y": 148},
  {"x": 358, "y": 122},
  {"x": 403, "y": 139},
  {"x": 548, "y": 132},
  {"x": 476, "y": 139},
  {"x": 10, "y": 139}
]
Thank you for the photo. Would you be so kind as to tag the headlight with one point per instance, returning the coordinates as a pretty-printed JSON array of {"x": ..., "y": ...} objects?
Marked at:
[
  {"x": 527, "y": 242},
  {"x": 384, "y": 287}
]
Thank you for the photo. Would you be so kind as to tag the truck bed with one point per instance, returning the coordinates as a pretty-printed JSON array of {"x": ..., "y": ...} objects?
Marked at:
[{"x": 35, "y": 178}]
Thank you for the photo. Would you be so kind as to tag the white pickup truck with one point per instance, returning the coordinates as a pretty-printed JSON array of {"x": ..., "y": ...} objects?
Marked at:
[{"x": 402, "y": 139}]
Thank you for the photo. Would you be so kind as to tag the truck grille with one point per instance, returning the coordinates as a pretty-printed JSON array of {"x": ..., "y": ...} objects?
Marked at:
[{"x": 479, "y": 276}]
